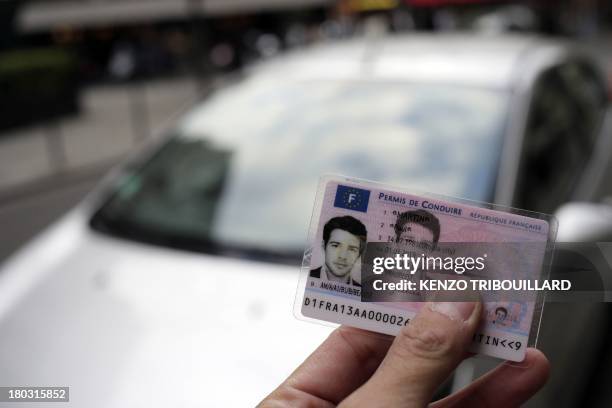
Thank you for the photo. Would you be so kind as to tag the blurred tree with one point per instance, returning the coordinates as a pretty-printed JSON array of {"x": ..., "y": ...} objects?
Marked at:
[{"x": 8, "y": 11}]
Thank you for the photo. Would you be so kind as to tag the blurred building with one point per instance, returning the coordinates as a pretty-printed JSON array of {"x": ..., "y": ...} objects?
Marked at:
[
  {"x": 80, "y": 42},
  {"x": 143, "y": 37},
  {"x": 49, "y": 48}
]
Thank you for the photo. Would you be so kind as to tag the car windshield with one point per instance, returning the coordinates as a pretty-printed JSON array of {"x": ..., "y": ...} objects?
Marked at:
[{"x": 241, "y": 173}]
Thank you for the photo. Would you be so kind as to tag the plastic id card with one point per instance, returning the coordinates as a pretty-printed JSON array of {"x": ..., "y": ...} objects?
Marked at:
[{"x": 376, "y": 253}]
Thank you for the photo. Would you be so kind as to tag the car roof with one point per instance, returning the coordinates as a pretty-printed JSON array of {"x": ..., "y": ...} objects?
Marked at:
[{"x": 459, "y": 59}]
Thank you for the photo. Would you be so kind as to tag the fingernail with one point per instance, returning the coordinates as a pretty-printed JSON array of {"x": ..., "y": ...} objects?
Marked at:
[{"x": 454, "y": 310}]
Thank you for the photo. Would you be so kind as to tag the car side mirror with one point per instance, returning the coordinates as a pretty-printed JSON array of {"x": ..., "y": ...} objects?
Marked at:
[{"x": 584, "y": 222}]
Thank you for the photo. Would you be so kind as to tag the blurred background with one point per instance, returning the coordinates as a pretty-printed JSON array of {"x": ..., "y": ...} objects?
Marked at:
[
  {"x": 84, "y": 82},
  {"x": 86, "y": 85}
]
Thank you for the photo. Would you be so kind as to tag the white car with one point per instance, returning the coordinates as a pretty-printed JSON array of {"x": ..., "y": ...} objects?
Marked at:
[{"x": 173, "y": 283}]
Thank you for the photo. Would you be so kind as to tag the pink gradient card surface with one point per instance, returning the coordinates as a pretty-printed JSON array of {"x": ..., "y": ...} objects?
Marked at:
[{"x": 350, "y": 215}]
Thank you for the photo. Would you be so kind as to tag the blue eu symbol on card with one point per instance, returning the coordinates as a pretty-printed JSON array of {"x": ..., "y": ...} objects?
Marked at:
[{"x": 352, "y": 198}]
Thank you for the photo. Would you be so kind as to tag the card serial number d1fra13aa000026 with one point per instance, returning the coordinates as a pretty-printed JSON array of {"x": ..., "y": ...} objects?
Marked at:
[{"x": 377, "y": 253}]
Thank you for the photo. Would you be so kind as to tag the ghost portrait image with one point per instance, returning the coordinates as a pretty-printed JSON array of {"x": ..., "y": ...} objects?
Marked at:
[
  {"x": 501, "y": 313},
  {"x": 343, "y": 243},
  {"x": 417, "y": 229},
  {"x": 416, "y": 233}
]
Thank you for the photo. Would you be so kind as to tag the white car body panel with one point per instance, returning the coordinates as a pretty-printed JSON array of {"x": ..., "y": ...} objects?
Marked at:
[
  {"x": 463, "y": 60},
  {"x": 124, "y": 324}
]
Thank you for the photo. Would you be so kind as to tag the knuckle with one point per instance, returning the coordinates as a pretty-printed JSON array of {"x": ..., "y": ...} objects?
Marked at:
[{"x": 425, "y": 342}]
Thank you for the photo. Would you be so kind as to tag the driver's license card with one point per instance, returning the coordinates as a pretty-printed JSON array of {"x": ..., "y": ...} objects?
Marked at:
[{"x": 349, "y": 213}]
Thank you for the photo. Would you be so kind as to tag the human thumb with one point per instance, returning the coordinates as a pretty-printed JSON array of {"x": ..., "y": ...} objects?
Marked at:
[{"x": 421, "y": 357}]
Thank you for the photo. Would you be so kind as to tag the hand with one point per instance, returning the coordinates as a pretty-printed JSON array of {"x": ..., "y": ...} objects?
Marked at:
[{"x": 359, "y": 368}]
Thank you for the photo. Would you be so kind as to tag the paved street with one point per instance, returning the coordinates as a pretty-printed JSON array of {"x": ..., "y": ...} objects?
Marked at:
[
  {"x": 24, "y": 217},
  {"x": 46, "y": 169},
  {"x": 114, "y": 119}
]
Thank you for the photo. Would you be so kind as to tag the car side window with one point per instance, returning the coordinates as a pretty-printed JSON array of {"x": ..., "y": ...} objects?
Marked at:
[{"x": 565, "y": 116}]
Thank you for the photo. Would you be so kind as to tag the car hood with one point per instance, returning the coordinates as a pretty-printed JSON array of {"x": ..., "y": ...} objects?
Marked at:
[{"x": 124, "y": 324}]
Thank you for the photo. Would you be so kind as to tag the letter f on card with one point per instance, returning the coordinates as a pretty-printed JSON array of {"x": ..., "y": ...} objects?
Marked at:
[{"x": 352, "y": 198}]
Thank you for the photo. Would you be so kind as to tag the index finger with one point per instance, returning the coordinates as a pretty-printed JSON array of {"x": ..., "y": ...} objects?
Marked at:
[{"x": 341, "y": 364}]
